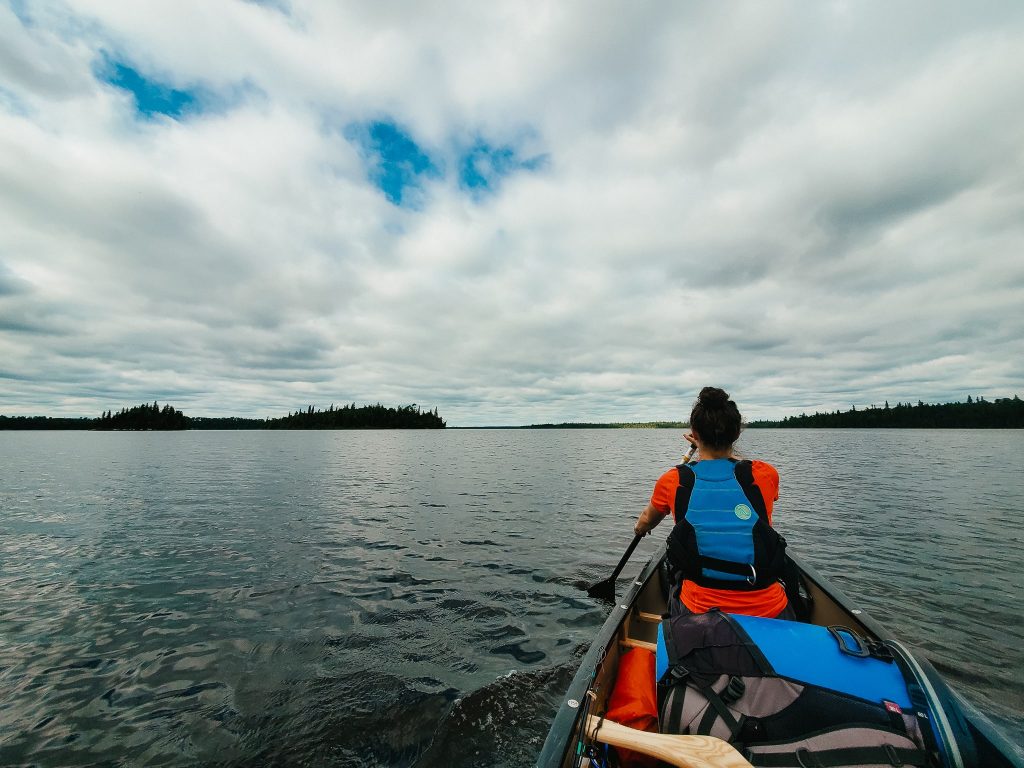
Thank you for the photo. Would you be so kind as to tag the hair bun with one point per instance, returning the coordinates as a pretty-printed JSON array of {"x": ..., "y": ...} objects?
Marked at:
[
  {"x": 715, "y": 419},
  {"x": 713, "y": 397}
]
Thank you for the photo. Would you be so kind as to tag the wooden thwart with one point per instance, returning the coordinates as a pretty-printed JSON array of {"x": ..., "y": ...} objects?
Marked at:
[
  {"x": 631, "y": 643},
  {"x": 682, "y": 751}
]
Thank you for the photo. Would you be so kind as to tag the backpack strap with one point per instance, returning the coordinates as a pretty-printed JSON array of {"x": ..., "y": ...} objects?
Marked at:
[
  {"x": 670, "y": 646},
  {"x": 836, "y": 758},
  {"x": 672, "y": 683},
  {"x": 718, "y": 709},
  {"x": 670, "y": 718}
]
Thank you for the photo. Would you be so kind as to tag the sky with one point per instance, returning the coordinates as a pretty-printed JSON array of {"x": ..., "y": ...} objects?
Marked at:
[{"x": 514, "y": 212}]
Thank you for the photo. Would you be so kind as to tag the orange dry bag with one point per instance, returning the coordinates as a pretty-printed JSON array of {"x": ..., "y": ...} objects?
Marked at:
[{"x": 634, "y": 702}]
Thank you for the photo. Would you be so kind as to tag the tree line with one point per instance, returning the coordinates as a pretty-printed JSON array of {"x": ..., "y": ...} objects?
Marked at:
[
  {"x": 153, "y": 417},
  {"x": 978, "y": 413},
  {"x": 611, "y": 425}
]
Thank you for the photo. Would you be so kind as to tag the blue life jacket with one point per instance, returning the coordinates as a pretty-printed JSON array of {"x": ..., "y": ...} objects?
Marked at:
[{"x": 722, "y": 538}]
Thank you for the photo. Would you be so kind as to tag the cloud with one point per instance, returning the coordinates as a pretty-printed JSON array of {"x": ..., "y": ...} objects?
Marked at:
[{"x": 515, "y": 212}]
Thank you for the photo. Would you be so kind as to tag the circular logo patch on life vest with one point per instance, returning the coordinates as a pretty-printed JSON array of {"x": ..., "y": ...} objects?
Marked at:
[{"x": 743, "y": 512}]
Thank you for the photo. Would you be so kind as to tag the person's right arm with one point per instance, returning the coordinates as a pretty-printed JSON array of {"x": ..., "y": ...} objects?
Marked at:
[
  {"x": 648, "y": 520},
  {"x": 660, "y": 504}
]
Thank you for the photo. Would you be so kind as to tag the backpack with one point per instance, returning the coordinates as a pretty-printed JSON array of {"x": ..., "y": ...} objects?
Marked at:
[{"x": 788, "y": 694}]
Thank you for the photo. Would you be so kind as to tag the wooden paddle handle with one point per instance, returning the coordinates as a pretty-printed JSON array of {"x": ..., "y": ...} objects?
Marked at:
[
  {"x": 682, "y": 751},
  {"x": 689, "y": 453}
]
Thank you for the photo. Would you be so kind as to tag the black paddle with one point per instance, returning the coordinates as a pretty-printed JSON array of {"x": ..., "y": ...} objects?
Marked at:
[{"x": 605, "y": 590}]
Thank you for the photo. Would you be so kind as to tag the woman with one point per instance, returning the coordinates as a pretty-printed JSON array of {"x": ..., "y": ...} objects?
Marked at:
[{"x": 722, "y": 548}]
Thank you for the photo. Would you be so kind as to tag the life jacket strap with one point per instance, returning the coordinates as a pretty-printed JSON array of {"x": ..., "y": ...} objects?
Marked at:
[
  {"x": 728, "y": 566},
  {"x": 752, "y": 579}
]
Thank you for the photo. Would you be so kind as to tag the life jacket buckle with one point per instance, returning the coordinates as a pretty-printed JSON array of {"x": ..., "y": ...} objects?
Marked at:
[{"x": 893, "y": 755}]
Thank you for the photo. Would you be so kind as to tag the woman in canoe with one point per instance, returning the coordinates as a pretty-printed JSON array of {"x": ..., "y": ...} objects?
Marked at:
[{"x": 723, "y": 550}]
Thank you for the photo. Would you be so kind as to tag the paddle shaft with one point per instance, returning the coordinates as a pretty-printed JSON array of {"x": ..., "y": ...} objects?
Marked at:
[
  {"x": 625, "y": 558},
  {"x": 682, "y": 751}
]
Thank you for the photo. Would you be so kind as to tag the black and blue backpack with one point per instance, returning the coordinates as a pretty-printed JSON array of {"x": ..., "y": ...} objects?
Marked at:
[{"x": 788, "y": 694}]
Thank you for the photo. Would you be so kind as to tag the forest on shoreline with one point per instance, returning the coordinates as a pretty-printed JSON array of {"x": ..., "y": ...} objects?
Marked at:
[
  {"x": 979, "y": 413},
  {"x": 976, "y": 413},
  {"x": 147, "y": 417}
]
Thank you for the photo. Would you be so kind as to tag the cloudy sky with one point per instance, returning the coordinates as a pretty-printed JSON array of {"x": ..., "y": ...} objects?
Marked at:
[{"x": 516, "y": 212}]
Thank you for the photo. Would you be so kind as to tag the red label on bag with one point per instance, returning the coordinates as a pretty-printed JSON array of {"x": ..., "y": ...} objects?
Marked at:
[{"x": 892, "y": 706}]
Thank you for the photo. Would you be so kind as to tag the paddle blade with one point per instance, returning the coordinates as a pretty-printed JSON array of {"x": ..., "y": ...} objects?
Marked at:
[{"x": 603, "y": 590}]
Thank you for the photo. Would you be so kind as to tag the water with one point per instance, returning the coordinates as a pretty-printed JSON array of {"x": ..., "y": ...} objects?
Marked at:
[{"x": 416, "y": 598}]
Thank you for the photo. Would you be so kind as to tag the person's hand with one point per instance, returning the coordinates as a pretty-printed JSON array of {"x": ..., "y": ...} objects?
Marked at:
[
  {"x": 641, "y": 530},
  {"x": 690, "y": 438}
]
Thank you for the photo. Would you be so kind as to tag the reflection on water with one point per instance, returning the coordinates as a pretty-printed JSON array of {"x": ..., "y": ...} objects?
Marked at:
[{"x": 399, "y": 598}]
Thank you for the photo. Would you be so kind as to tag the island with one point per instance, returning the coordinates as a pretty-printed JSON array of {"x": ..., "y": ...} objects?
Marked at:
[{"x": 151, "y": 417}]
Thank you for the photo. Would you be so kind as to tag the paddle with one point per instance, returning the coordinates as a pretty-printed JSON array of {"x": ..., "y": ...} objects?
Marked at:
[
  {"x": 605, "y": 590},
  {"x": 682, "y": 751}
]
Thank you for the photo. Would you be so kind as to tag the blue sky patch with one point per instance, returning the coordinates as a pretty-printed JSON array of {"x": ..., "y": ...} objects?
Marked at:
[
  {"x": 395, "y": 162},
  {"x": 152, "y": 97},
  {"x": 483, "y": 166},
  {"x": 400, "y": 167}
]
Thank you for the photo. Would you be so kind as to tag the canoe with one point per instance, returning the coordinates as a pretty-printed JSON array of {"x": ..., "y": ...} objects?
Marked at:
[{"x": 962, "y": 737}]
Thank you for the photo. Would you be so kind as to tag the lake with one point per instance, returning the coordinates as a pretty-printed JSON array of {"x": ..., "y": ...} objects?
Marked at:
[{"x": 399, "y": 598}]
